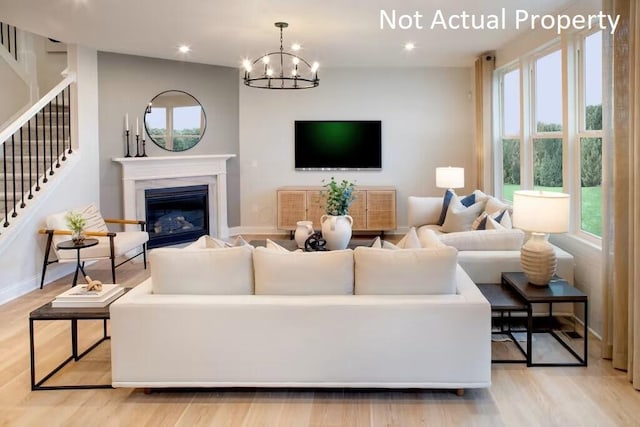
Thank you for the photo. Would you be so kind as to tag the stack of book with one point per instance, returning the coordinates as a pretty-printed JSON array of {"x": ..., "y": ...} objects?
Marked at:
[{"x": 78, "y": 296}]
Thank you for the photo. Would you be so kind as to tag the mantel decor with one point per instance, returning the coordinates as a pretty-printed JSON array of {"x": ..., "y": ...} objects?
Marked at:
[{"x": 276, "y": 75}]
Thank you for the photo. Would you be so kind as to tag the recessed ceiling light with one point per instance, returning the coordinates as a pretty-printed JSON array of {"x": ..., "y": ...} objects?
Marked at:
[
  {"x": 409, "y": 46},
  {"x": 295, "y": 46},
  {"x": 184, "y": 49}
]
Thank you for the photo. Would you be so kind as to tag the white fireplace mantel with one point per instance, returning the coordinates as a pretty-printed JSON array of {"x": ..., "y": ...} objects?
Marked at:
[{"x": 140, "y": 173}]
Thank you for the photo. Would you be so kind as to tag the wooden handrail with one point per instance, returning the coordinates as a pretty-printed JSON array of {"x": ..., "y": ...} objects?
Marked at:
[
  {"x": 68, "y": 233},
  {"x": 124, "y": 221}
]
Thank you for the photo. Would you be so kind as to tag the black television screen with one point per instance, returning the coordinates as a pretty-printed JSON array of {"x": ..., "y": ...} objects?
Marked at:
[{"x": 338, "y": 145}]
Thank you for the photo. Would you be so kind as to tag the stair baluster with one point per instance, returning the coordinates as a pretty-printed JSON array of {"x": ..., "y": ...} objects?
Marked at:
[
  {"x": 30, "y": 196},
  {"x": 51, "y": 172},
  {"x": 58, "y": 135}
]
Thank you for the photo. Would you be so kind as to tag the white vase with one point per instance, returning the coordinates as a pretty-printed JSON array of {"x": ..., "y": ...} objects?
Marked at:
[
  {"x": 336, "y": 230},
  {"x": 304, "y": 229}
]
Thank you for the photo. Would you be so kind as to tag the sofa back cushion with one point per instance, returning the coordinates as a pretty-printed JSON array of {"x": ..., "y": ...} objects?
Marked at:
[
  {"x": 485, "y": 240},
  {"x": 423, "y": 210},
  {"x": 303, "y": 273},
  {"x": 429, "y": 271},
  {"x": 227, "y": 271}
]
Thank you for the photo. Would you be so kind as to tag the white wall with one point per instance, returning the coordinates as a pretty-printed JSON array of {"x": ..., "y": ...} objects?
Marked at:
[
  {"x": 427, "y": 121},
  {"x": 48, "y": 64},
  {"x": 15, "y": 93},
  {"x": 74, "y": 185}
]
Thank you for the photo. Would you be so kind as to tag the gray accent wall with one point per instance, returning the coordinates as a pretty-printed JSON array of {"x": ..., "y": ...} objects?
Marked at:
[{"x": 127, "y": 83}]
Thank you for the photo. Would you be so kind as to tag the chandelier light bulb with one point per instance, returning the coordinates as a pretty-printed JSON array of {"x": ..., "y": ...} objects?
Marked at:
[
  {"x": 314, "y": 67},
  {"x": 296, "y": 60},
  {"x": 184, "y": 49},
  {"x": 294, "y": 72},
  {"x": 409, "y": 46},
  {"x": 269, "y": 72},
  {"x": 295, "y": 47},
  {"x": 247, "y": 65},
  {"x": 265, "y": 59}
]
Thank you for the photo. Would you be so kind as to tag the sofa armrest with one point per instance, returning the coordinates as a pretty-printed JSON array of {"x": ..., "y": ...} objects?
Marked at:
[{"x": 423, "y": 210}]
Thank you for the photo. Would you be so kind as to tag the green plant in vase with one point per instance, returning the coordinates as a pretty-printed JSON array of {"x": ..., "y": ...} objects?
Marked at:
[
  {"x": 336, "y": 224},
  {"x": 76, "y": 223},
  {"x": 339, "y": 196}
]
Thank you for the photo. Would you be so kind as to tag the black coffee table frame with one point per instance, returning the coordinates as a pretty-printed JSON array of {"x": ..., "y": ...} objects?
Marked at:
[
  {"x": 504, "y": 300},
  {"x": 557, "y": 291},
  {"x": 73, "y": 314}
]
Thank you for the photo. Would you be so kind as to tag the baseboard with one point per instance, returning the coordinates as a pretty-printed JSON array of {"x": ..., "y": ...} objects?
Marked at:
[{"x": 32, "y": 283}]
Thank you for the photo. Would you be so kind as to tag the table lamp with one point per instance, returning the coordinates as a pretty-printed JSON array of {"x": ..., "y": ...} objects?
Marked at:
[
  {"x": 540, "y": 212},
  {"x": 448, "y": 177}
]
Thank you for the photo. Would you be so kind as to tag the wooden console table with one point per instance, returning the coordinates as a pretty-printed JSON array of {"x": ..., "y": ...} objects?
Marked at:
[{"x": 374, "y": 208}]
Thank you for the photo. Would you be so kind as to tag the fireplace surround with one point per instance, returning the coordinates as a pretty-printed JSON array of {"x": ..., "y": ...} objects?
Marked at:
[{"x": 140, "y": 174}]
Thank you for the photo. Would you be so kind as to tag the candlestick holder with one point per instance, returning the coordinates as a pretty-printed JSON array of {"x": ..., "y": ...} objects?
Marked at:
[
  {"x": 144, "y": 149},
  {"x": 127, "y": 137},
  {"x": 138, "y": 146}
]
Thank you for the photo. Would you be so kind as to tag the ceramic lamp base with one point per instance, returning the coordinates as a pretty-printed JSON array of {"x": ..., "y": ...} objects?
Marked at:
[{"x": 538, "y": 259}]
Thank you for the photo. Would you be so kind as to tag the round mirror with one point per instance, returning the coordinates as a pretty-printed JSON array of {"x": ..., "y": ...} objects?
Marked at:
[{"x": 175, "y": 120}]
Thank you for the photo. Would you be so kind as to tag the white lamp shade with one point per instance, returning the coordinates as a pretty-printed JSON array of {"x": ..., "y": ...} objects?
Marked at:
[
  {"x": 541, "y": 211},
  {"x": 449, "y": 177}
]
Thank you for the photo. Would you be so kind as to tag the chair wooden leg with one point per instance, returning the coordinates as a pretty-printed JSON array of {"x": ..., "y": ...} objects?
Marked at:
[
  {"x": 113, "y": 269},
  {"x": 46, "y": 259}
]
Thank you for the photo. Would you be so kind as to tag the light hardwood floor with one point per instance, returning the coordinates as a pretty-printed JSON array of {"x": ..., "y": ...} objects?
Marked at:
[{"x": 520, "y": 396}]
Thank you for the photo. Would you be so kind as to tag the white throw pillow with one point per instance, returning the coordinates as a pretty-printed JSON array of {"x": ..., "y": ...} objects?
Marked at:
[
  {"x": 410, "y": 240},
  {"x": 459, "y": 217},
  {"x": 494, "y": 205},
  {"x": 270, "y": 244},
  {"x": 428, "y": 238},
  {"x": 208, "y": 242},
  {"x": 390, "y": 246},
  {"x": 377, "y": 243},
  {"x": 227, "y": 271},
  {"x": 303, "y": 273},
  {"x": 406, "y": 272},
  {"x": 485, "y": 240},
  {"x": 481, "y": 223}
]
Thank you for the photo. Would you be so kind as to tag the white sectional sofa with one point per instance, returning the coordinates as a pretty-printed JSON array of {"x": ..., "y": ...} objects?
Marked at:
[
  {"x": 484, "y": 254},
  {"x": 292, "y": 320}
]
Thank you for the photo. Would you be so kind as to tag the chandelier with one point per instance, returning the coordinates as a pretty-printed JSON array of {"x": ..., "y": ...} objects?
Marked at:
[{"x": 281, "y": 70}]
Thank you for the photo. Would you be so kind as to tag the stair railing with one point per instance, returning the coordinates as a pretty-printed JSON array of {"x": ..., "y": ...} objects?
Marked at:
[
  {"x": 9, "y": 39},
  {"x": 33, "y": 147}
]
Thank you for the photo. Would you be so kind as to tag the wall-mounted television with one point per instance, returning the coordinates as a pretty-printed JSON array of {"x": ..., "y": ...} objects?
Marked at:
[{"x": 338, "y": 145}]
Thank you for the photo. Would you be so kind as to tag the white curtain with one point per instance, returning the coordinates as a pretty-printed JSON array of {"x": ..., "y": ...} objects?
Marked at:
[{"x": 621, "y": 154}]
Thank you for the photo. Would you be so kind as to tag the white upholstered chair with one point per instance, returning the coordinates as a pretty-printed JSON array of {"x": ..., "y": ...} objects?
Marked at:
[{"x": 111, "y": 245}]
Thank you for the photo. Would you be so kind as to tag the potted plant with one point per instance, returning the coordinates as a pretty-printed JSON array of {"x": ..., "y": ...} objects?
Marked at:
[
  {"x": 76, "y": 223},
  {"x": 336, "y": 224}
]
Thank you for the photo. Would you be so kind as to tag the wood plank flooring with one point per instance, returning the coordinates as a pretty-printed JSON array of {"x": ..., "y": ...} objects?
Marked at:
[{"x": 520, "y": 396}]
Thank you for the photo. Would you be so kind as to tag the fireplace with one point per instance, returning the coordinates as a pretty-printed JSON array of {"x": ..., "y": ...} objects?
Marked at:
[{"x": 176, "y": 214}]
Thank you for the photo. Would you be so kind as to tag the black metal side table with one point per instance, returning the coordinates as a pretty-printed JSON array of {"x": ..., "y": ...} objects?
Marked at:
[
  {"x": 73, "y": 314},
  {"x": 70, "y": 244},
  {"x": 558, "y": 290}
]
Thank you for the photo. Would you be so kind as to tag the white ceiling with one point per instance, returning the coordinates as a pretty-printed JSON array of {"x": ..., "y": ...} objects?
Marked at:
[{"x": 337, "y": 33}]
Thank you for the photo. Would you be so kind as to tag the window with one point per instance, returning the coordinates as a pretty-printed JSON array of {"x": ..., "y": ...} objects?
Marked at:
[
  {"x": 510, "y": 135},
  {"x": 590, "y": 135},
  {"x": 547, "y": 132},
  {"x": 537, "y": 142}
]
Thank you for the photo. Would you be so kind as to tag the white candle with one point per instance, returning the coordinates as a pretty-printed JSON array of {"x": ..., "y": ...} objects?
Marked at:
[
  {"x": 126, "y": 121},
  {"x": 137, "y": 127}
]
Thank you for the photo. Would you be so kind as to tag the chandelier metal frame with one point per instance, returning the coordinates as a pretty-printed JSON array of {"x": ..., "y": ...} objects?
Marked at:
[{"x": 269, "y": 79}]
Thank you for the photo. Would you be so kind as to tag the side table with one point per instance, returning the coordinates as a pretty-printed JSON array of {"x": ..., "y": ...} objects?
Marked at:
[
  {"x": 47, "y": 312},
  {"x": 504, "y": 300},
  {"x": 70, "y": 244},
  {"x": 558, "y": 290}
]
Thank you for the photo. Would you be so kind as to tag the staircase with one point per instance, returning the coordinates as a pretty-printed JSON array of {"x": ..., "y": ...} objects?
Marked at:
[{"x": 32, "y": 149}]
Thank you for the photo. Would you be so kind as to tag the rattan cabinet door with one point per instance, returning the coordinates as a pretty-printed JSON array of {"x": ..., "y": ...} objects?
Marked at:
[
  {"x": 381, "y": 210},
  {"x": 292, "y": 207},
  {"x": 358, "y": 211},
  {"x": 315, "y": 207}
]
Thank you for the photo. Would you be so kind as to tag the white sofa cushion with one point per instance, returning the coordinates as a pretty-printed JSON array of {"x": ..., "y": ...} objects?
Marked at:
[
  {"x": 485, "y": 240},
  {"x": 208, "y": 242},
  {"x": 226, "y": 271},
  {"x": 423, "y": 210},
  {"x": 410, "y": 240},
  {"x": 460, "y": 217},
  {"x": 406, "y": 272},
  {"x": 429, "y": 238},
  {"x": 303, "y": 273}
]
